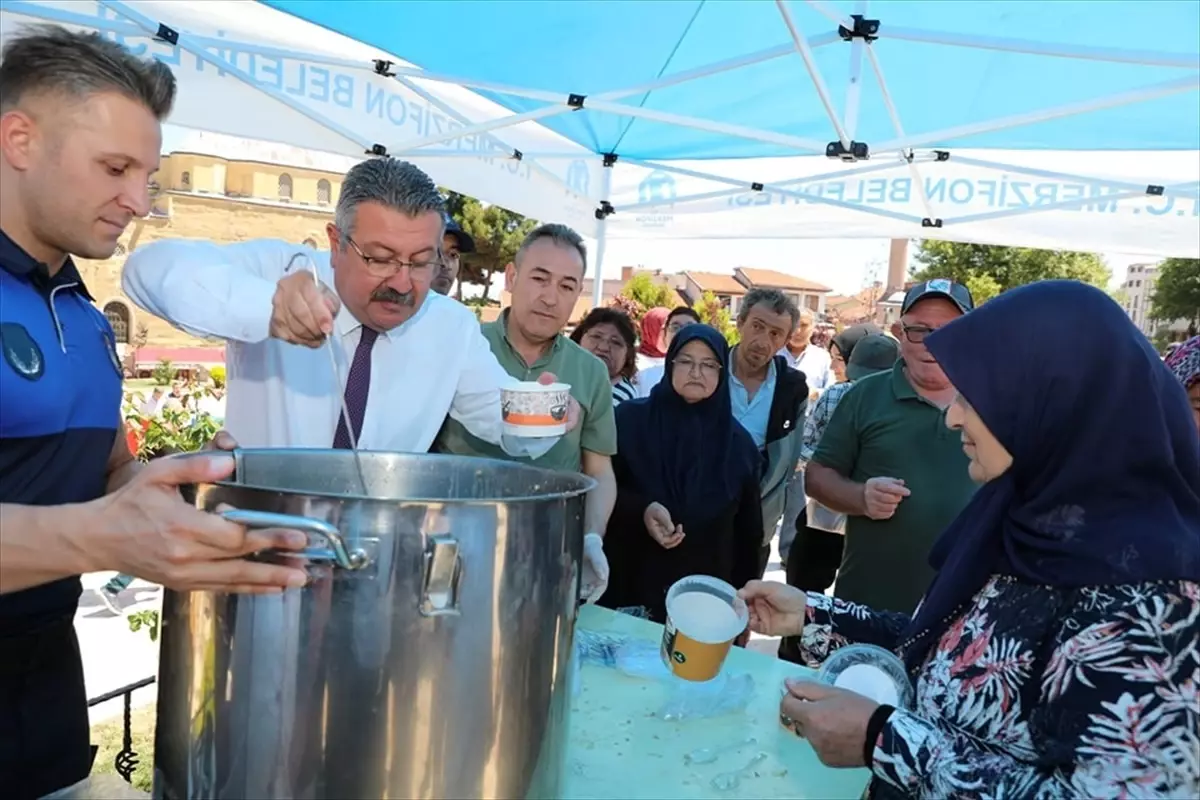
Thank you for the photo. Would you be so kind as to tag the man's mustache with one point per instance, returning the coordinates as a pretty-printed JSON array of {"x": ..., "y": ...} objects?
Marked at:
[{"x": 389, "y": 295}]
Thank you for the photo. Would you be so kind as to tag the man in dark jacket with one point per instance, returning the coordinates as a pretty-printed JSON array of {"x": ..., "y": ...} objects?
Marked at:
[{"x": 769, "y": 397}]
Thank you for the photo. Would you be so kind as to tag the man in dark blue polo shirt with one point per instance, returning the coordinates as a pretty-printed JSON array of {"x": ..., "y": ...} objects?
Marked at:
[{"x": 79, "y": 139}]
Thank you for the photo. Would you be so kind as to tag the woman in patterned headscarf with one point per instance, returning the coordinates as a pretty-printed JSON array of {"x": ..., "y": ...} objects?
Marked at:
[{"x": 1185, "y": 363}]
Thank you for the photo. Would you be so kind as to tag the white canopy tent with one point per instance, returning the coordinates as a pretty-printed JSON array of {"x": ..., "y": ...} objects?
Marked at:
[{"x": 251, "y": 70}]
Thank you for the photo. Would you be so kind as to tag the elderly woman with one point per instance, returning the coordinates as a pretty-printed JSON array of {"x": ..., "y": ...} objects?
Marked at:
[
  {"x": 1055, "y": 654},
  {"x": 608, "y": 334},
  {"x": 1185, "y": 363},
  {"x": 687, "y": 482}
]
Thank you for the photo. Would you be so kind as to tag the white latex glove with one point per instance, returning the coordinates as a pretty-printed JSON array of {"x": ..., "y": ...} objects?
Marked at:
[{"x": 595, "y": 568}]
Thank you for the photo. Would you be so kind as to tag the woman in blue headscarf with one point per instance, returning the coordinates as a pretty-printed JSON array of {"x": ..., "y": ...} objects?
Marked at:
[
  {"x": 687, "y": 482},
  {"x": 1057, "y": 652}
]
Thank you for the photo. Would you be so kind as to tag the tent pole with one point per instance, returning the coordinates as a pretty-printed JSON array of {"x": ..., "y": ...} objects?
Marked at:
[
  {"x": 151, "y": 27},
  {"x": 1190, "y": 83},
  {"x": 1066, "y": 176},
  {"x": 743, "y": 186},
  {"x": 602, "y": 231},
  {"x": 895, "y": 116},
  {"x": 1081, "y": 201},
  {"x": 453, "y": 114},
  {"x": 1152, "y": 58},
  {"x": 809, "y": 64},
  {"x": 831, "y": 14},
  {"x": 742, "y": 131},
  {"x": 854, "y": 88}
]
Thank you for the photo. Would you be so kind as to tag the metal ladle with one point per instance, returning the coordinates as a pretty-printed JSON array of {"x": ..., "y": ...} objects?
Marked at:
[{"x": 337, "y": 378}]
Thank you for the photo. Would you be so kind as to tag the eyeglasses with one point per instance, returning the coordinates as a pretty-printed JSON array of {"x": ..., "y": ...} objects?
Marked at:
[
  {"x": 387, "y": 267},
  {"x": 594, "y": 338},
  {"x": 916, "y": 333},
  {"x": 708, "y": 369}
]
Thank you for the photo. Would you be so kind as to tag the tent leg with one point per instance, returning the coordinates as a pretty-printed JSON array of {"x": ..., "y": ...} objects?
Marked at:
[{"x": 601, "y": 235}]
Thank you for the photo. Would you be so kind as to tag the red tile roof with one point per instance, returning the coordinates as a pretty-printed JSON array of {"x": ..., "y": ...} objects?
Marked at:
[{"x": 778, "y": 280}]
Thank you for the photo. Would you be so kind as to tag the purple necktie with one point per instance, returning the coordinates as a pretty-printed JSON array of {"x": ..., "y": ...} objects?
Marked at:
[{"x": 358, "y": 385}]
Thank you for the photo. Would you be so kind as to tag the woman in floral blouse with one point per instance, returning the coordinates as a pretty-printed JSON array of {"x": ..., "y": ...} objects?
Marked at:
[{"x": 1057, "y": 653}]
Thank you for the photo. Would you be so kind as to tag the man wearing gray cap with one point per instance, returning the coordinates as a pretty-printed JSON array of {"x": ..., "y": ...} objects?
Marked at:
[
  {"x": 455, "y": 242},
  {"x": 887, "y": 460}
]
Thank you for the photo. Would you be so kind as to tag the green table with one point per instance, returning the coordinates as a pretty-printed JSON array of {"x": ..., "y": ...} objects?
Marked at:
[{"x": 619, "y": 749}]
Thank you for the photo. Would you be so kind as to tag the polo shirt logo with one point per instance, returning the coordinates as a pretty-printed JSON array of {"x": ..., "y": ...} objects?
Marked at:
[{"x": 21, "y": 351}]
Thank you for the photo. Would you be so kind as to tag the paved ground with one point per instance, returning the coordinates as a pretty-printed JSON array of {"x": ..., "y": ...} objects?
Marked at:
[{"x": 114, "y": 656}]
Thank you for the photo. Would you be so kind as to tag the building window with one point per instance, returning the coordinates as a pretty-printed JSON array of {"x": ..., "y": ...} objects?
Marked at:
[
  {"x": 310, "y": 242},
  {"x": 117, "y": 314},
  {"x": 285, "y": 187},
  {"x": 185, "y": 181},
  {"x": 324, "y": 192},
  {"x": 119, "y": 251}
]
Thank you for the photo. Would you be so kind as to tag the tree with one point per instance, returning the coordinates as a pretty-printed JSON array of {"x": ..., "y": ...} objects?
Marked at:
[
  {"x": 164, "y": 372},
  {"x": 1177, "y": 291},
  {"x": 988, "y": 270},
  {"x": 497, "y": 232},
  {"x": 713, "y": 312},
  {"x": 645, "y": 293}
]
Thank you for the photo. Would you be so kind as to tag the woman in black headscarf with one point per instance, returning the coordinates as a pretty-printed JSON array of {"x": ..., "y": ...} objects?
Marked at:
[
  {"x": 687, "y": 482},
  {"x": 842, "y": 346}
]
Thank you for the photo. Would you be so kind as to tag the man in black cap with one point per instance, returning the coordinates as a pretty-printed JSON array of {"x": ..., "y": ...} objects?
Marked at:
[
  {"x": 887, "y": 461},
  {"x": 455, "y": 242}
]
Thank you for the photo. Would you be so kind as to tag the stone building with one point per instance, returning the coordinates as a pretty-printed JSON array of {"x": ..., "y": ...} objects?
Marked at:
[{"x": 224, "y": 190}]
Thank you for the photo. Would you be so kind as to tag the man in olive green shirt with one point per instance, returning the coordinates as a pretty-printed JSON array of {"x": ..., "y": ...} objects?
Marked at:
[
  {"x": 888, "y": 461},
  {"x": 544, "y": 281}
]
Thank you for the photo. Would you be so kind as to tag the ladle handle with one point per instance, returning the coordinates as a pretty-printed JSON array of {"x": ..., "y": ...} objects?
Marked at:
[{"x": 335, "y": 550}]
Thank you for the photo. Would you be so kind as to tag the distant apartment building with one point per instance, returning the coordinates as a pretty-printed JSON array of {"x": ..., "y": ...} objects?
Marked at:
[{"x": 1138, "y": 291}]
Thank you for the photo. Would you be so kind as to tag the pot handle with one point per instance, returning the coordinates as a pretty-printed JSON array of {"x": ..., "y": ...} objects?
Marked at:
[
  {"x": 443, "y": 566},
  {"x": 336, "y": 550}
]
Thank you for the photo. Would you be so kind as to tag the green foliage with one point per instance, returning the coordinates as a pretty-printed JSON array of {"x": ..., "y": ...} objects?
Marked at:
[
  {"x": 1177, "y": 291},
  {"x": 164, "y": 372},
  {"x": 148, "y": 619},
  {"x": 988, "y": 270},
  {"x": 217, "y": 374},
  {"x": 169, "y": 431},
  {"x": 713, "y": 312},
  {"x": 632, "y": 307},
  {"x": 497, "y": 232},
  {"x": 647, "y": 293}
]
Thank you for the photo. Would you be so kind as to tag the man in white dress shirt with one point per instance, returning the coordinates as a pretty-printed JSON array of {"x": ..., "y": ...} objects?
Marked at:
[{"x": 425, "y": 352}]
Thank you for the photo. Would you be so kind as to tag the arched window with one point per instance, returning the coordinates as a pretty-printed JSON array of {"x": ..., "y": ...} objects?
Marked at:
[
  {"x": 324, "y": 192},
  {"x": 117, "y": 314},
  {"x": 285, "y": 187},
  {"x": 185, "y": 181},
  {"x": 310, "y": 242}
]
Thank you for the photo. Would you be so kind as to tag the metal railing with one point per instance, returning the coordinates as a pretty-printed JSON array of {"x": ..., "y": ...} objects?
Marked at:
[{"x": 127, "y": 759}]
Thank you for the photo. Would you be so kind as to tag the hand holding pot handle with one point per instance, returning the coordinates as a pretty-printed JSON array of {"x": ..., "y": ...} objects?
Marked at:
[{"x": 146, "y": 529}]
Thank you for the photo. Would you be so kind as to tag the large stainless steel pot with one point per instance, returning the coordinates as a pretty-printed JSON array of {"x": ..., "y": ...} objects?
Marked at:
[{"x": 428, "y": 657}]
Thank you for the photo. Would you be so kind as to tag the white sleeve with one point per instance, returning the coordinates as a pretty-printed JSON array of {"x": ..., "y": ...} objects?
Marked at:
[
  {"x": 211, "y": 290},
  {"x": 477, "y": 397}
]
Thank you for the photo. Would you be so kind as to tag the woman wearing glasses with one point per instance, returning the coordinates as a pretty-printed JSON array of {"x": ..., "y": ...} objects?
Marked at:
[{"x": 687, "y": 482}]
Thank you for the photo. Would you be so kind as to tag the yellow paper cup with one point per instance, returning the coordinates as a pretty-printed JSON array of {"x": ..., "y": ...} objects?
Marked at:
[{"x": 704, "y": 616}]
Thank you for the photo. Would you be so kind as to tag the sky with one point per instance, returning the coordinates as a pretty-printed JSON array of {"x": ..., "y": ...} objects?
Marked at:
[{"x": 844, "y": 265}]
